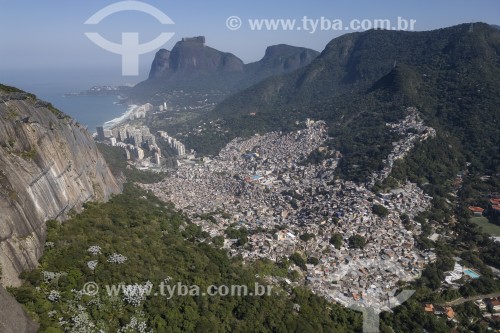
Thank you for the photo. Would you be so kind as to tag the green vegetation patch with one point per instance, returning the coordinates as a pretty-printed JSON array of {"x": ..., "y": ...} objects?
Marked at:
[
  {"x": 486, "y": 226},
  {"x": 135, "y": 238}
]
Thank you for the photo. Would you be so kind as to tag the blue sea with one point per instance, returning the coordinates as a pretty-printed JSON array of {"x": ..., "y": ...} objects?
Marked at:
[
  {"x": 91, "y": 111},
  {"x": 52, "y": 85}
]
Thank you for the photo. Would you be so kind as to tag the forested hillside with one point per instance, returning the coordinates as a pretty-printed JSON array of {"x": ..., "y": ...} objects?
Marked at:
[{"x": 363, "y": 80}]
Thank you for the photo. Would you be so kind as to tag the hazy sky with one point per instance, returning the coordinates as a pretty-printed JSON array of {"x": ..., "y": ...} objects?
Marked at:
[{"x": 41, "y": 36}]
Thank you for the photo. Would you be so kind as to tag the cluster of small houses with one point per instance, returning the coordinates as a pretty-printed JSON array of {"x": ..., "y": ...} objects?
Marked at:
[
  {"x": 261, "y": 184},
  {"x": 489, "y": 307},
  {"x": 493, "y": 205},
  {"x": 413, "y": 130}
]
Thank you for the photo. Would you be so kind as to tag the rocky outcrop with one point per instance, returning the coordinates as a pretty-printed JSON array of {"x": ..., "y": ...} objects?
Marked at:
[
  {"x": 278, "y": 59},
  {"x": 49, "y": 166},
  {"x": 161, "y": 63},
  {"x": 283, "y": 58},
  {"x": 192, "y": 57},
  {"x": 194, "y": 66},
  {"x": 13, "y": 319}
]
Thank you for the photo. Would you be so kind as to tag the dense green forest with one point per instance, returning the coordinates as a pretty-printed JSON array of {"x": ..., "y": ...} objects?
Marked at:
[
  {"x": 359, "y": 82},
  {"x": 363, "y": 80},
  {"x": 159, "y": 243}
]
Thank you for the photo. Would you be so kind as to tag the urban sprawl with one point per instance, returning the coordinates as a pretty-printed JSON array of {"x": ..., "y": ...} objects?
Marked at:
[{"x": 286, "y": 205}]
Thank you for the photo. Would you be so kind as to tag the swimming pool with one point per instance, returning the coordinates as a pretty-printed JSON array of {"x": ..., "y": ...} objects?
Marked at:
[{"x": 471, "y": 273}]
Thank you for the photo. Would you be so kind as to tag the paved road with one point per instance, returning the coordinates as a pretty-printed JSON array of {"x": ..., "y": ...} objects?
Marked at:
[{"x": 462, "y": 300}]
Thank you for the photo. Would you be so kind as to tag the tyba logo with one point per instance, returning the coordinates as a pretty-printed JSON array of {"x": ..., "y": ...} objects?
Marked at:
[{"x": 129, "y": 49}]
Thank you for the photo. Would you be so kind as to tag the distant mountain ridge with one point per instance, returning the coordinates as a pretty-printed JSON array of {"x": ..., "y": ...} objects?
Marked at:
[
  {"x": 192, "y": 57},
  {"x": 363, "y": 80},
  {"x": 193, "y": 65}
]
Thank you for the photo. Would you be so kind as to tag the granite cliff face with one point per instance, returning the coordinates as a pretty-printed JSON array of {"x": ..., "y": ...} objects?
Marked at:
[
  {"x": 13, "y": 319},
  {"x": 192, "y": 57},
  {"x": 161, "y": 63},
  {"x": 49, "y": 166},
  {"x": 282, "y": 58},
  {"x": 193, "y": 66}
]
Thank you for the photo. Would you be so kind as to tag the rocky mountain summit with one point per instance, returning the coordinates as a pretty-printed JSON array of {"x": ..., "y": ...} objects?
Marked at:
[
  {"x": 193, "y": 66},
  {"x": 191, "y": 56}
]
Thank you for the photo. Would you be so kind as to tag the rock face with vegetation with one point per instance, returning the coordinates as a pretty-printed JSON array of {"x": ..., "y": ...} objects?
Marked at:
[
  {"x": 193, "y": 66},
  {"x": 192, "y": 56},
  {"x": 13, "y": 319},
  {"x": 361, "y": 81},
  {"x": 49, "y": 167}
]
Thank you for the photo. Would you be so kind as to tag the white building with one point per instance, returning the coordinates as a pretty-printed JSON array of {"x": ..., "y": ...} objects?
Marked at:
[{"x": 140, "y": 154}]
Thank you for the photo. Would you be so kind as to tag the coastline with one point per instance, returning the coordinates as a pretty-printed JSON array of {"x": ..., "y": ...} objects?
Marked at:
[
  {"x": 117, "y": 121},
  {"x": 90, "y": 111}
]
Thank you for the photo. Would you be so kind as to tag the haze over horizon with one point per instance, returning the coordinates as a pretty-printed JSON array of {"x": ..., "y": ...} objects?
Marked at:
[{"x": 44, "y": 39}]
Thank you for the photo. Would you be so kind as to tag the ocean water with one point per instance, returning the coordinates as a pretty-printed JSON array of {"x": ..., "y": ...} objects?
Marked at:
[
  {"x": 90, "y": 111},
  {"x": 51, "y": 85}
]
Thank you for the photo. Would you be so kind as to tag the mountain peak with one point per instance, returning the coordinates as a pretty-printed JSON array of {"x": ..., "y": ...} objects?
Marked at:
[
  {"x": 291, "y": 57},
  {"x": 198, "y": 40},
  {"x": 191, "y": 56},
  {"x": 281, "y": 49},
  {"x": 192, "y": 65},
  {"x": 374, "y": 73}
]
